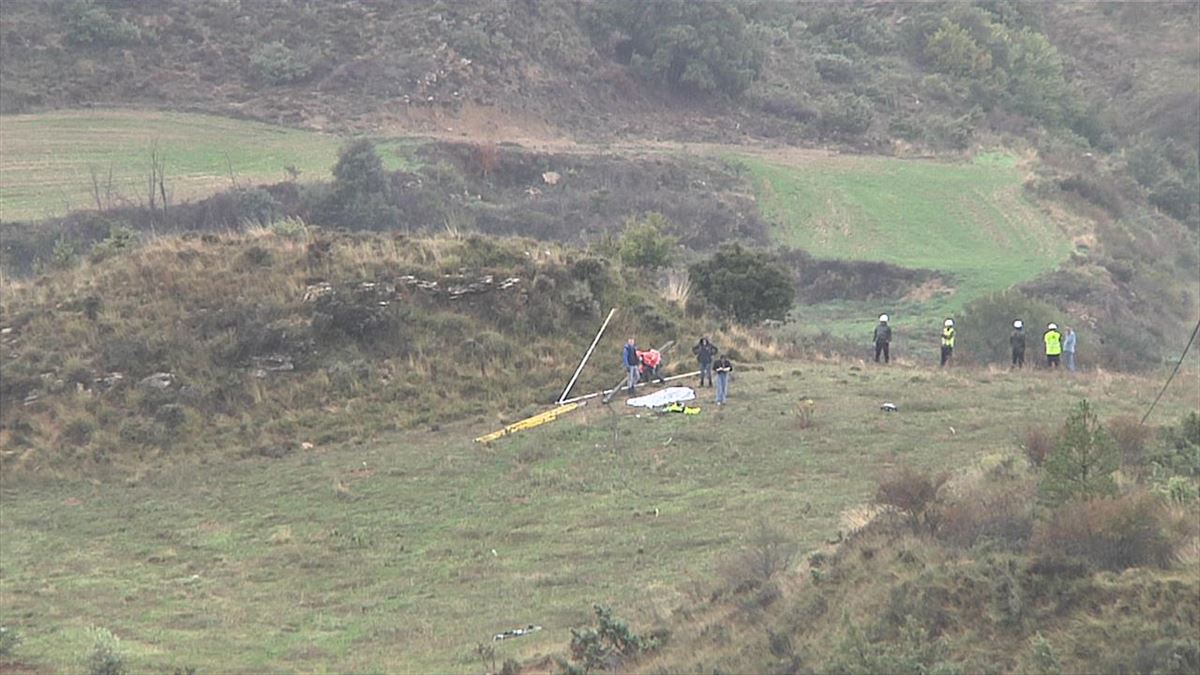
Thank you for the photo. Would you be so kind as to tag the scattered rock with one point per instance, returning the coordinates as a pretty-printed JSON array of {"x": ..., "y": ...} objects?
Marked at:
[
  {"x": 157, "y": 381},
  {"x": 272, "y": 363},
  {"x": 108, "y": 381},
  {"x": 551, "y": 177}
]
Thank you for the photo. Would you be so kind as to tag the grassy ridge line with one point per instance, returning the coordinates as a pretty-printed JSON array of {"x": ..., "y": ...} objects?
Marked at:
[
  {"x": 46, "y": 159},
  {"x": 377, "y": 556},
  {"x": 970, "y": 221}
]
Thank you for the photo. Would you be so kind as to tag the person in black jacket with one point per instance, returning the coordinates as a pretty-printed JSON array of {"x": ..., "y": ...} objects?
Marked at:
[
  {"x": 1017, "y": 342},
  {"x": 883, "y": 338},
  {"x": 705, "y": 352}
]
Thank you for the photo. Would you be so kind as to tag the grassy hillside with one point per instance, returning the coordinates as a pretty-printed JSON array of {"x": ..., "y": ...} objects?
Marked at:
[
  {"x": 972, "y": 222},
  {"x": 47, "y": 160},
  {"x": 401, "y": 552},
  {"x": 257, "y": 342}
]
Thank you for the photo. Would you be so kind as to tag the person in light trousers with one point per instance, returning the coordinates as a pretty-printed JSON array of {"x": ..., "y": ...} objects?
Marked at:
[
  {"x": 1068, "y": 347},
  {"x": 722, "y": 367},
  {"x": 633, "y": 364}
]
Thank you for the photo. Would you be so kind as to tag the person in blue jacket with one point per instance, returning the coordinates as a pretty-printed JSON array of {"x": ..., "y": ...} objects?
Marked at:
[{"x": 632, "y": 364}]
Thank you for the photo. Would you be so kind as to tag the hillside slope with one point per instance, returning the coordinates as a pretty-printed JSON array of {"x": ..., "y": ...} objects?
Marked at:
[
  {"x": 404, "y": 551},
  {"x": 255, "y": 343}
]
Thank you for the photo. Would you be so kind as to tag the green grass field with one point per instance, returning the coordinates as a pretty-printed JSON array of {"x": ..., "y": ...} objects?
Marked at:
[
  {"x": 403, "y": 554},
  {"x": 47, "y": 159},
  {"x": 970, "y": 221}
]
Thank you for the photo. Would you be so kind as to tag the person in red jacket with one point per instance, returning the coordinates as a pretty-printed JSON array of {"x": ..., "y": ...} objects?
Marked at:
[{"x": 651, "y": 362}]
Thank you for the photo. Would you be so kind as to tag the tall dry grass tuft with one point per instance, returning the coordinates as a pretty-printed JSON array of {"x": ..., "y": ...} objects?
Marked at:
[
  {"x": 676, "y": 288},
  {"x": 855, "y": 518},
  {"x": 750, "y": 342}
]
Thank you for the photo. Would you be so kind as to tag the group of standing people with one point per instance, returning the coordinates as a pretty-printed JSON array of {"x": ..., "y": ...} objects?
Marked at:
[
  {"x": 646, "y": 365},
  {"x": 1059, "y": 346}
]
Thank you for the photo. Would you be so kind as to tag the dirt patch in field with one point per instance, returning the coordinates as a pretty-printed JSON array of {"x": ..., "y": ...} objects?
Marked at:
[{"x": 929, "y": 290}]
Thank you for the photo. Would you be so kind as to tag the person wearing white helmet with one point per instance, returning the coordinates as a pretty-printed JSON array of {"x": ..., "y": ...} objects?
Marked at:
[
  {"x": 1053, "y": 340},
  {"x": 947, "y": 341},
  {"x": 883, "y": 338},
  {"x": 1017, "y": 342}
]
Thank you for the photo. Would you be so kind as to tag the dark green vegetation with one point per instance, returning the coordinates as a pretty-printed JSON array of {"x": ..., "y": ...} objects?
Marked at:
[
  {"x": 1097, "y": 218},
  {"x": 244, "y": 444},
  {"x": 379, "y": 555}
]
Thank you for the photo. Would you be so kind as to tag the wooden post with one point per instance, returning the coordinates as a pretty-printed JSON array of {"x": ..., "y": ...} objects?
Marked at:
[{"x": 586, "y": 356}]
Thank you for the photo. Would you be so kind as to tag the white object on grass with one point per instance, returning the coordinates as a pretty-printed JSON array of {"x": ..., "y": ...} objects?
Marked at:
[{"x": 663, "y": 397}]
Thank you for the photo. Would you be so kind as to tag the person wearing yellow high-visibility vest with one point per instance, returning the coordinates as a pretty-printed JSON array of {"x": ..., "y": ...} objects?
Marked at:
[
  {"x": 1053, "y": 340},
  {"x": 947, "y": 341}
]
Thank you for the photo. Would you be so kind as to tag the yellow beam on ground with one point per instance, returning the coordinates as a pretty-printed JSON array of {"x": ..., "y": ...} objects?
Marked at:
[{"x": 529, "y": 422}]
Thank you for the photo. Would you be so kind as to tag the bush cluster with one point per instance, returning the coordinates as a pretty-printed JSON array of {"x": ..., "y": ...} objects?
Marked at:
[{"x": 276, "y": 63}]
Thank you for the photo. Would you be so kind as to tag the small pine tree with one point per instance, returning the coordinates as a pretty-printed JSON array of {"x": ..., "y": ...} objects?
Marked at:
[
  {"x": 1082, "y": 464},
  {"x": 646, "y": 242}
]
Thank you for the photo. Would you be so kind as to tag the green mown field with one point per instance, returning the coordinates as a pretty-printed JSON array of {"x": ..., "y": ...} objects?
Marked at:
[
  {"x": 47, "y": 160},
  {"x": 970, "y": 221},
  {"x": 404, "y": 553}
]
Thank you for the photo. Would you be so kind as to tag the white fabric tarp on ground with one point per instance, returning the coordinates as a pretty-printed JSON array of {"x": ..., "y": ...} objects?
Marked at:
[{"x": 663, "y": 397}]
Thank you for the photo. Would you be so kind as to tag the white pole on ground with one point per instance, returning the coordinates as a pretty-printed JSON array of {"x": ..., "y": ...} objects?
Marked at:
[
  {"x": 587, "y": 356},
  {"x": 616, "y": 389}
]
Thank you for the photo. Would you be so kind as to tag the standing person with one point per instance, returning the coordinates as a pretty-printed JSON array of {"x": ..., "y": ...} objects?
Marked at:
[
  {"x": 1017, "y": 340},
  {"x": 947, "y": 341},
  {"x": 632, "y": 364},
  {"x": 723, "y": 368},
  {"x": 705, "y": 352},
  {"x": 883, "y": 337},
  {"x": 1069, "y": 349},
  {"x": 1053, "y": 340}
]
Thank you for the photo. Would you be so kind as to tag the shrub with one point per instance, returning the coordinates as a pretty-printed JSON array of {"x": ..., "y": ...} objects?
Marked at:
[
  {"x": 607, "y": 645},
  {"x": 92, "y": 24},
  {"x": 750, "y": 285},
  {"x": 835, "y": 68},
  {"x": 121, "y": 238},
  {"x": 9, "y": 641},
  {"x": 106, "y": 657},
  {"x": 276, "y": 63},
  {"x": 76, "y": 371},
  {"x": 257, "y": 256},
  {"x": 1112, "y": 533},
  {"x": 646, "y": 242},
  {"x": 1042, "y": 656},
  {"x": 64, "y": 254},
  {"x": 1002, "y": 515},
  {"x": 1037, "y": 443},
  {"x": 699, "y": 48},
  {"x": 1036, "y": 84},
  {"x": 361, "y": 196},
  {"x": 1130, "y": 436},
  {"x": 988, "y": 320},
  {"x": 78, "y": 430},
  {"x": 1083, "y": 461},
  {"x": 912, "y": 492},
  {"x": 290, "y": 228},
  {"x": 768, "y": 552},
  {"x": 952, "y": 50},
  {"x": 256, "y": 206},
  {"x": 846, "y": 115},
  {"x": 1180, "y": 490},
  {"x": 1179, "y": 448}
]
